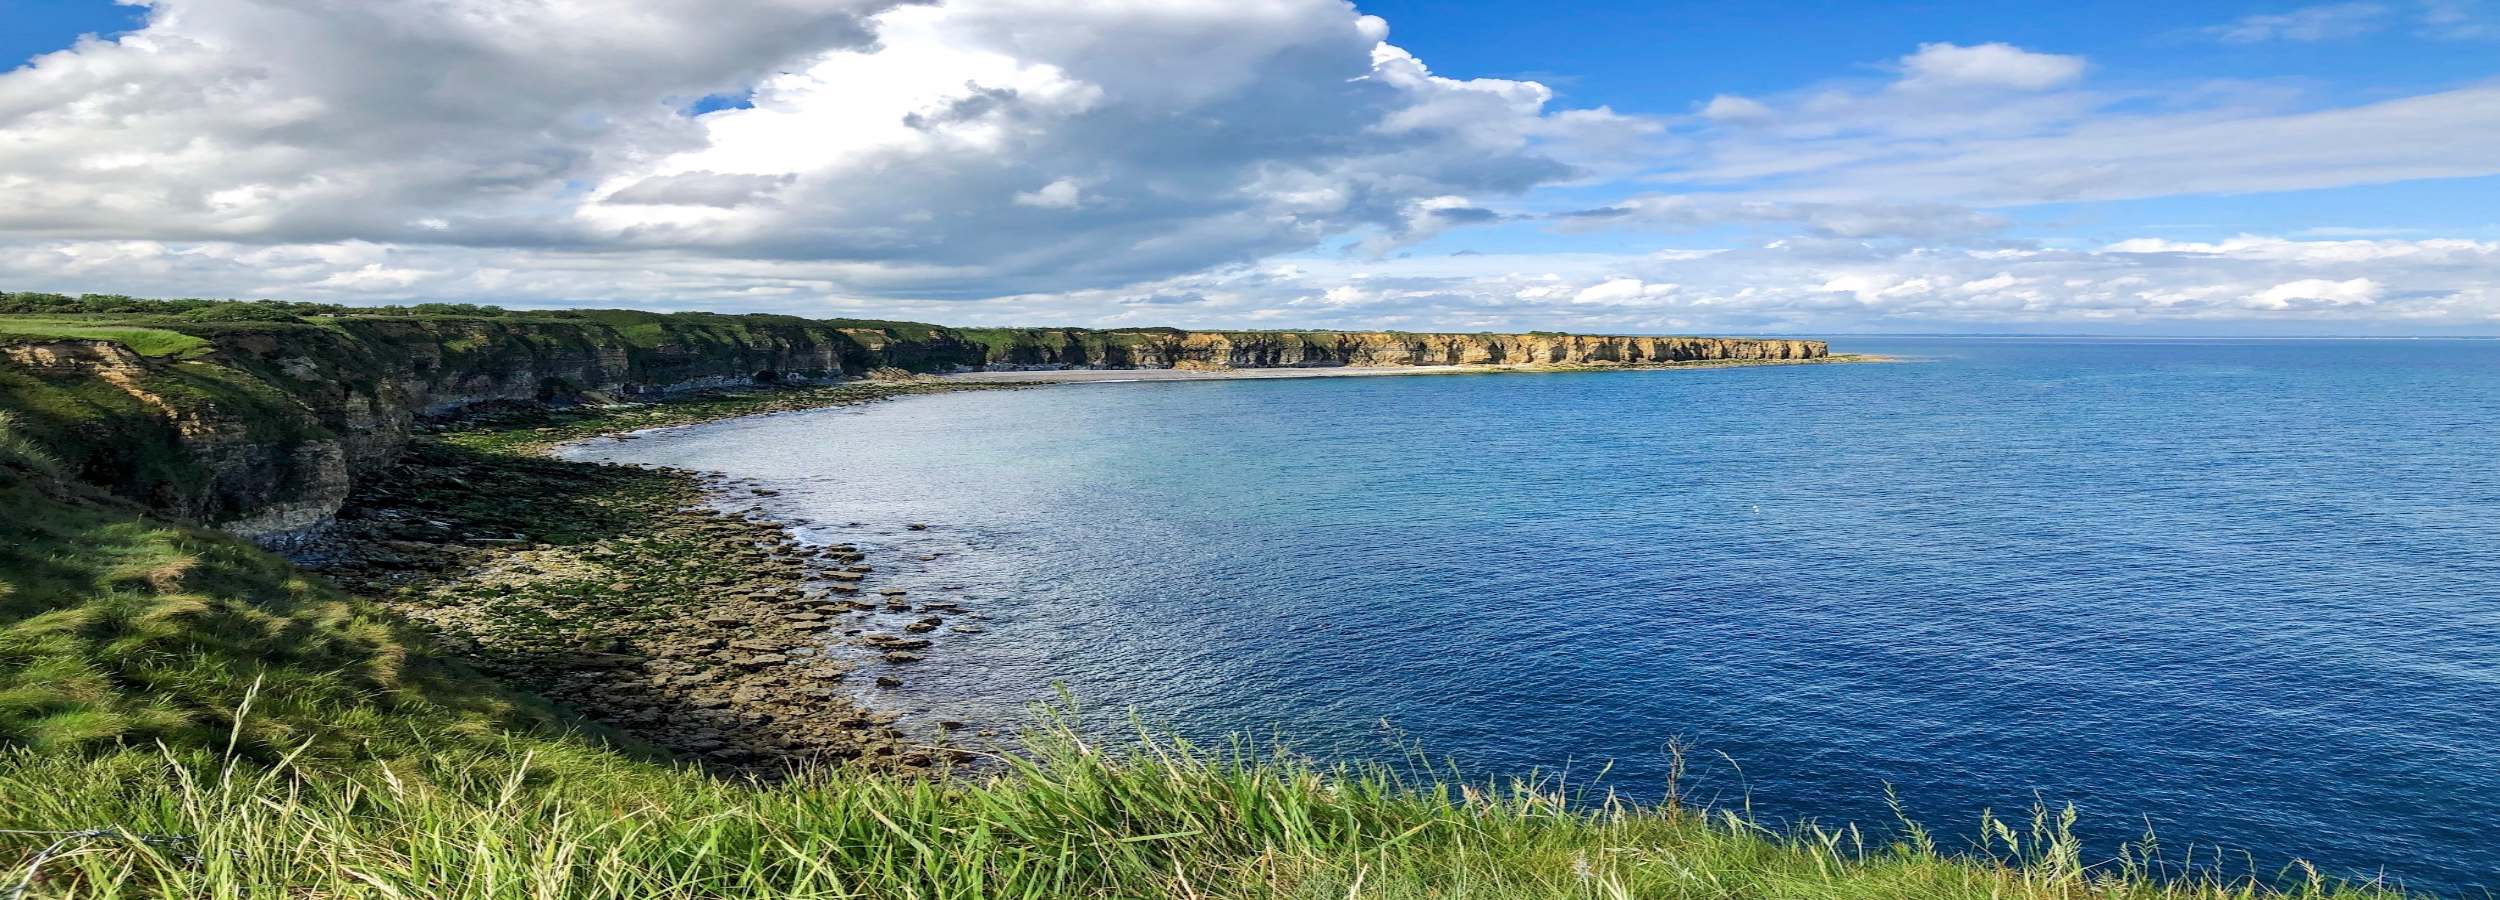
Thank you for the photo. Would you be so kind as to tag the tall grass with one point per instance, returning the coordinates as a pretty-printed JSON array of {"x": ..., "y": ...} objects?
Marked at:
[
  {"x": 1064, "y": 818},
  {"x": 23, "y": 453}
]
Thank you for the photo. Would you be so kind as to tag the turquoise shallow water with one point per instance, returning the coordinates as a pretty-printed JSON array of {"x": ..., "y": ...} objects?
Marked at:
[{"x": 2247, "y": 590}]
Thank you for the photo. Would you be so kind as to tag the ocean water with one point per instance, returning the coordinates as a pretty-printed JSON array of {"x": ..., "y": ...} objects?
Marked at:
[{"x": 2246, "y": 591}]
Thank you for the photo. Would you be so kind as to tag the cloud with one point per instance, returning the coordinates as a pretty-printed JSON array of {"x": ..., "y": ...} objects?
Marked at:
[
  {"x": 1151, "y": 161},
  {"x": 2317, "y": 291},
  {"x": 1987, "y": 66},
  {"x": 1786, "y": 286},
  {"x": 972, "y": 148},
  {"x": 1730, "y": 108},
  {"x": 332, "y": 119},
  {"x": 2309, "y": 23},
  {"x": 2459, "y": 20},
  {"x": 1869, "y": 220},
  {"x": 1852, "y": 143},
  {"x": 711, "y": 189},
  {"x": 1064, "y": 193}
]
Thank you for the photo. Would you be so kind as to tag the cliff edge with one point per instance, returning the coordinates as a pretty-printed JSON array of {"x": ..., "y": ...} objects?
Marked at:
[{"x": 258, "y": 418}]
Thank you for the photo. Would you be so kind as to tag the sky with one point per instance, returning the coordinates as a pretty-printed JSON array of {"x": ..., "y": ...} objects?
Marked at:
[{"x": 2200, "y": 168}]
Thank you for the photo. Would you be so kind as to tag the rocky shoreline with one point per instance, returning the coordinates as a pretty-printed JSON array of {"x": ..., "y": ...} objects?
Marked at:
[
  {"x": 664, "y": 603},
  {"x": 643, "y": 598}
]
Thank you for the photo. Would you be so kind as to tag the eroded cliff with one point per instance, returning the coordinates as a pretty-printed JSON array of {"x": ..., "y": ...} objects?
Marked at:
[
  {"x": 262, "y": 426},
  {"x": 1168, "y": 348}
]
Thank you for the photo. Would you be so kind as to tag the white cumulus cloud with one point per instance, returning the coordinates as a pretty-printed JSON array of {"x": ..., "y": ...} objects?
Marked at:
[
  {"x": 969, "y": 148},
  {"x": 2348, "y": 292},
  {"x": 1988, "y": 65}
]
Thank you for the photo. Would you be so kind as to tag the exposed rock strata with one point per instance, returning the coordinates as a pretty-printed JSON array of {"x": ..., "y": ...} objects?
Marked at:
[
  {"x": 264, "y": 432},
  {"x": 1157, "y": 349}
]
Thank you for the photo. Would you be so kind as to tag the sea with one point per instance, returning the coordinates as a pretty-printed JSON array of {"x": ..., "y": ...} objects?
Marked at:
[{"x": 2244, "y": 594}]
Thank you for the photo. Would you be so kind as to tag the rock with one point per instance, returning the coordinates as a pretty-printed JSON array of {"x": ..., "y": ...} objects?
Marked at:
[
  {"x": 919, "y": 628},
  {"x": 889, "y": 681},
  {"x": 898, "y": 656}
]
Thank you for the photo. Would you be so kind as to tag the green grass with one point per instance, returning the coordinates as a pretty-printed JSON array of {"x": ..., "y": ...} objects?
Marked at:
[
  {"x": 154, "y": 342},
  {"x": 1159, "y": 819},
  {"x": 118, "y": 630}
]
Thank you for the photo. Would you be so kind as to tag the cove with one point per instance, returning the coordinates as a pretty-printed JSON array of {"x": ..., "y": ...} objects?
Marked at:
[{"x": 2243, "y": 589}]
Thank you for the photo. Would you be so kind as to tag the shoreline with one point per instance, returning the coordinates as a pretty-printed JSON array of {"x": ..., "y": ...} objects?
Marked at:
[
  {"x": 644, "y": 599},
  {"x": 671, "y": 605}
]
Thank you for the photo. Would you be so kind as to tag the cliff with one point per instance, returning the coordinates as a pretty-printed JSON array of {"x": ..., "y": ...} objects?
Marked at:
[
  {"x": 1170, "y": 348},
  {"x": 258, "y": 420}
]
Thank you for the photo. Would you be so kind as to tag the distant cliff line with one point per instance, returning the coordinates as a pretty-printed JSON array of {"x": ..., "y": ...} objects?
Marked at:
[
  {"x": 259, "y": 417},
  {"x": 1176, "y": 349}
]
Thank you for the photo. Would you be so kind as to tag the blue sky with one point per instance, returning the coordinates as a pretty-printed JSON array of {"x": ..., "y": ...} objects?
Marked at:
[
  {"x": 1806, "y": 168},
  {"x": 1660, "y": 57}
]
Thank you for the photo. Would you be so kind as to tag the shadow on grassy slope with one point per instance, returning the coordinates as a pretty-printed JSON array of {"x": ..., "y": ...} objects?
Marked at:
[{"x": 120, "y": 630}]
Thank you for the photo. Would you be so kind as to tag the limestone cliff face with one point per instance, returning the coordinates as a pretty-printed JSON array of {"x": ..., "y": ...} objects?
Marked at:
[
  {"x": 1257, "y": 350},
  {"x": 264, "y": 432},
  {"x": 1169, "y": 349},
  {"x": 265, "y": 428},
  {"x": 167, "y": 448}
]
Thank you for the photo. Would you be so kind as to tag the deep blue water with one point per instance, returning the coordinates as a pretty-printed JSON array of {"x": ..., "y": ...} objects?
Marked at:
[{"x": 2246, "y": 590}]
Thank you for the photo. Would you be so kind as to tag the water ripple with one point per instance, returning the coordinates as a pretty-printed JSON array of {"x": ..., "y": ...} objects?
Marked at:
[{"x": 2243, "y": 588}]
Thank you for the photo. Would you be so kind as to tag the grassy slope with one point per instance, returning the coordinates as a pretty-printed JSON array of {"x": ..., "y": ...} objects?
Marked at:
[{"x": 121, "y": 630}]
